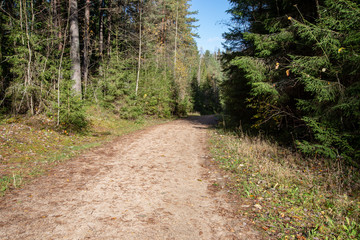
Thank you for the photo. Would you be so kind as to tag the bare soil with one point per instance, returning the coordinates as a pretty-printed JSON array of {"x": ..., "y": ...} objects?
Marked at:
[{"x": 152, "y": 184}]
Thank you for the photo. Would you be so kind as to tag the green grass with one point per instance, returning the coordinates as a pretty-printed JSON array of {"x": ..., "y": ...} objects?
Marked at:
[
  {"x": 4, "y": 183},
  {"x": 29, "y": 147},
  {"x": 286, "y": 195}
]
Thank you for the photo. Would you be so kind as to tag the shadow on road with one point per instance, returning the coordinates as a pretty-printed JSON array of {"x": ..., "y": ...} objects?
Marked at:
[{"x": 208, "y": 121}]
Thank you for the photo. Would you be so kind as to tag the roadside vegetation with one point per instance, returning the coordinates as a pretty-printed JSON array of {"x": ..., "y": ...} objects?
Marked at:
[
  {"x": 292, "y": 75},
  {"x": 30, "y": 146},
  {"x": 286, "y": 195},
  {"x": 293, "y": 72}
]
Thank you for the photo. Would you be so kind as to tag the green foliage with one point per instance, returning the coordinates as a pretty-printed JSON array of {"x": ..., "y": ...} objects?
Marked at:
[
  {"x": 131, "y": 109},
  {"x": 183, "y": 107},
  {"x": 35, "y": 58},
  {"x": 156, "y": 92},
  {"x": 292, "y": 197},
  {"x": 301, "y": 67},
  {"x": 5, "y": 181},
  {"x": 114, "y": 81},
  {"x": 72, "y": 115},
  {"x": 205, "y": 86},
  {"x": 72, "y": 112},
  {"x": 331, "y": 141}
]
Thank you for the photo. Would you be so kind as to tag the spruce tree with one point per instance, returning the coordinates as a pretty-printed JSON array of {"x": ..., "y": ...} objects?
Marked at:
[{"x": 293, "y": 69}]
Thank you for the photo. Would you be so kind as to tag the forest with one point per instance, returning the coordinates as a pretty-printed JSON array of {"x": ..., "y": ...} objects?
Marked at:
[
  {"x": 285, "y": 90},
  {"x": 292, "y": 81},
  {"x": 291, "y": 68},
  {"x": 133, "y": 57},
  {"x": 293, "y": 72}
]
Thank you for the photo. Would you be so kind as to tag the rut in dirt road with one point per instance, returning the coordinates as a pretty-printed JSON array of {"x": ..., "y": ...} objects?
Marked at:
[{"x": 149, "y": 185}]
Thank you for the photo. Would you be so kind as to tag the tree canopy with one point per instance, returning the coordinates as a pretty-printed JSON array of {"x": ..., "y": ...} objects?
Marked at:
[
  {"x": 293, "y": 70},
  {"x": 133, "y": 56}
]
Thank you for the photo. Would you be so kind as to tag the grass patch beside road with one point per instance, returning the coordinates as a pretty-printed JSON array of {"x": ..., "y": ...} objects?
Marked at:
[
  {"x": 286, "y": 195},
  {"x": 31, "y": 146}
]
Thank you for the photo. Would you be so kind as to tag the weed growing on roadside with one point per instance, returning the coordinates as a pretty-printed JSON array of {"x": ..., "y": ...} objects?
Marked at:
[{"x": 4, "y": 184}]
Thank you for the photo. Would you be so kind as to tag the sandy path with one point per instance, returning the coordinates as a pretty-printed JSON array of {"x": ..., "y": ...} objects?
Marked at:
[{"x": 153, "y": 184}]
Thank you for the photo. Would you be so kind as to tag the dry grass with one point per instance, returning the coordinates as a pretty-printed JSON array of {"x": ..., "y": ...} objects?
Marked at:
[{"x": 290, "y": 197}]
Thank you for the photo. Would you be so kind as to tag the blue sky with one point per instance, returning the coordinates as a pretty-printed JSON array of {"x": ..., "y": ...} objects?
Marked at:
[{"x": 211, "y": 20}]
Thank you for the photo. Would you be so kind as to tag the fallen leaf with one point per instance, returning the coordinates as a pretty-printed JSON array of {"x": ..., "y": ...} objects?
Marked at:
[{"x": 258, "y": 206}]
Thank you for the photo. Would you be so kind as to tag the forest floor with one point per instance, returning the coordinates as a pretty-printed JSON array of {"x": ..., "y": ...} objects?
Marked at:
[{"x": 157, "y": 183}]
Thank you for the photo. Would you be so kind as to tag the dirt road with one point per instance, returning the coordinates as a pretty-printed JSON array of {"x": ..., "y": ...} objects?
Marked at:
[{"x": 153, "y": 184}]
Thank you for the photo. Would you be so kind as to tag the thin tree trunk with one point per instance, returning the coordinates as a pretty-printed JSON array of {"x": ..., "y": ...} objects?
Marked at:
[
  {"x": 139, "y": 57},
  {"x": 117, "y": 46},
  {"x": 21, "y": 21},
  {"x": 318, "y": 8},
  {"x": 199, "y": 71},
  {"x": 58, "y": 20},
  {"x": 162, "y": 37},
  {"x": 32, "y": 15},
  {"x": 176, "y": 36},
  {"x": 23, "y": 43},
  {"x": 53, "y": 21},
  {"x": 101, "y": 30},
  {"x": 109, "y": 29},
  {"x": 86, "y": 44},
  {"x": 277, "y": 8},
  {"x": 75, "y": 47},
  {"x": 29, "y": 73},
  {"x": 60, "y": 67},
  {"x": 57, "y": 31}
]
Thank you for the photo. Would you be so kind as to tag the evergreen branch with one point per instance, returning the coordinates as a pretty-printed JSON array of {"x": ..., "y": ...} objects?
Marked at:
[{"x": 311, "y": 33}]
